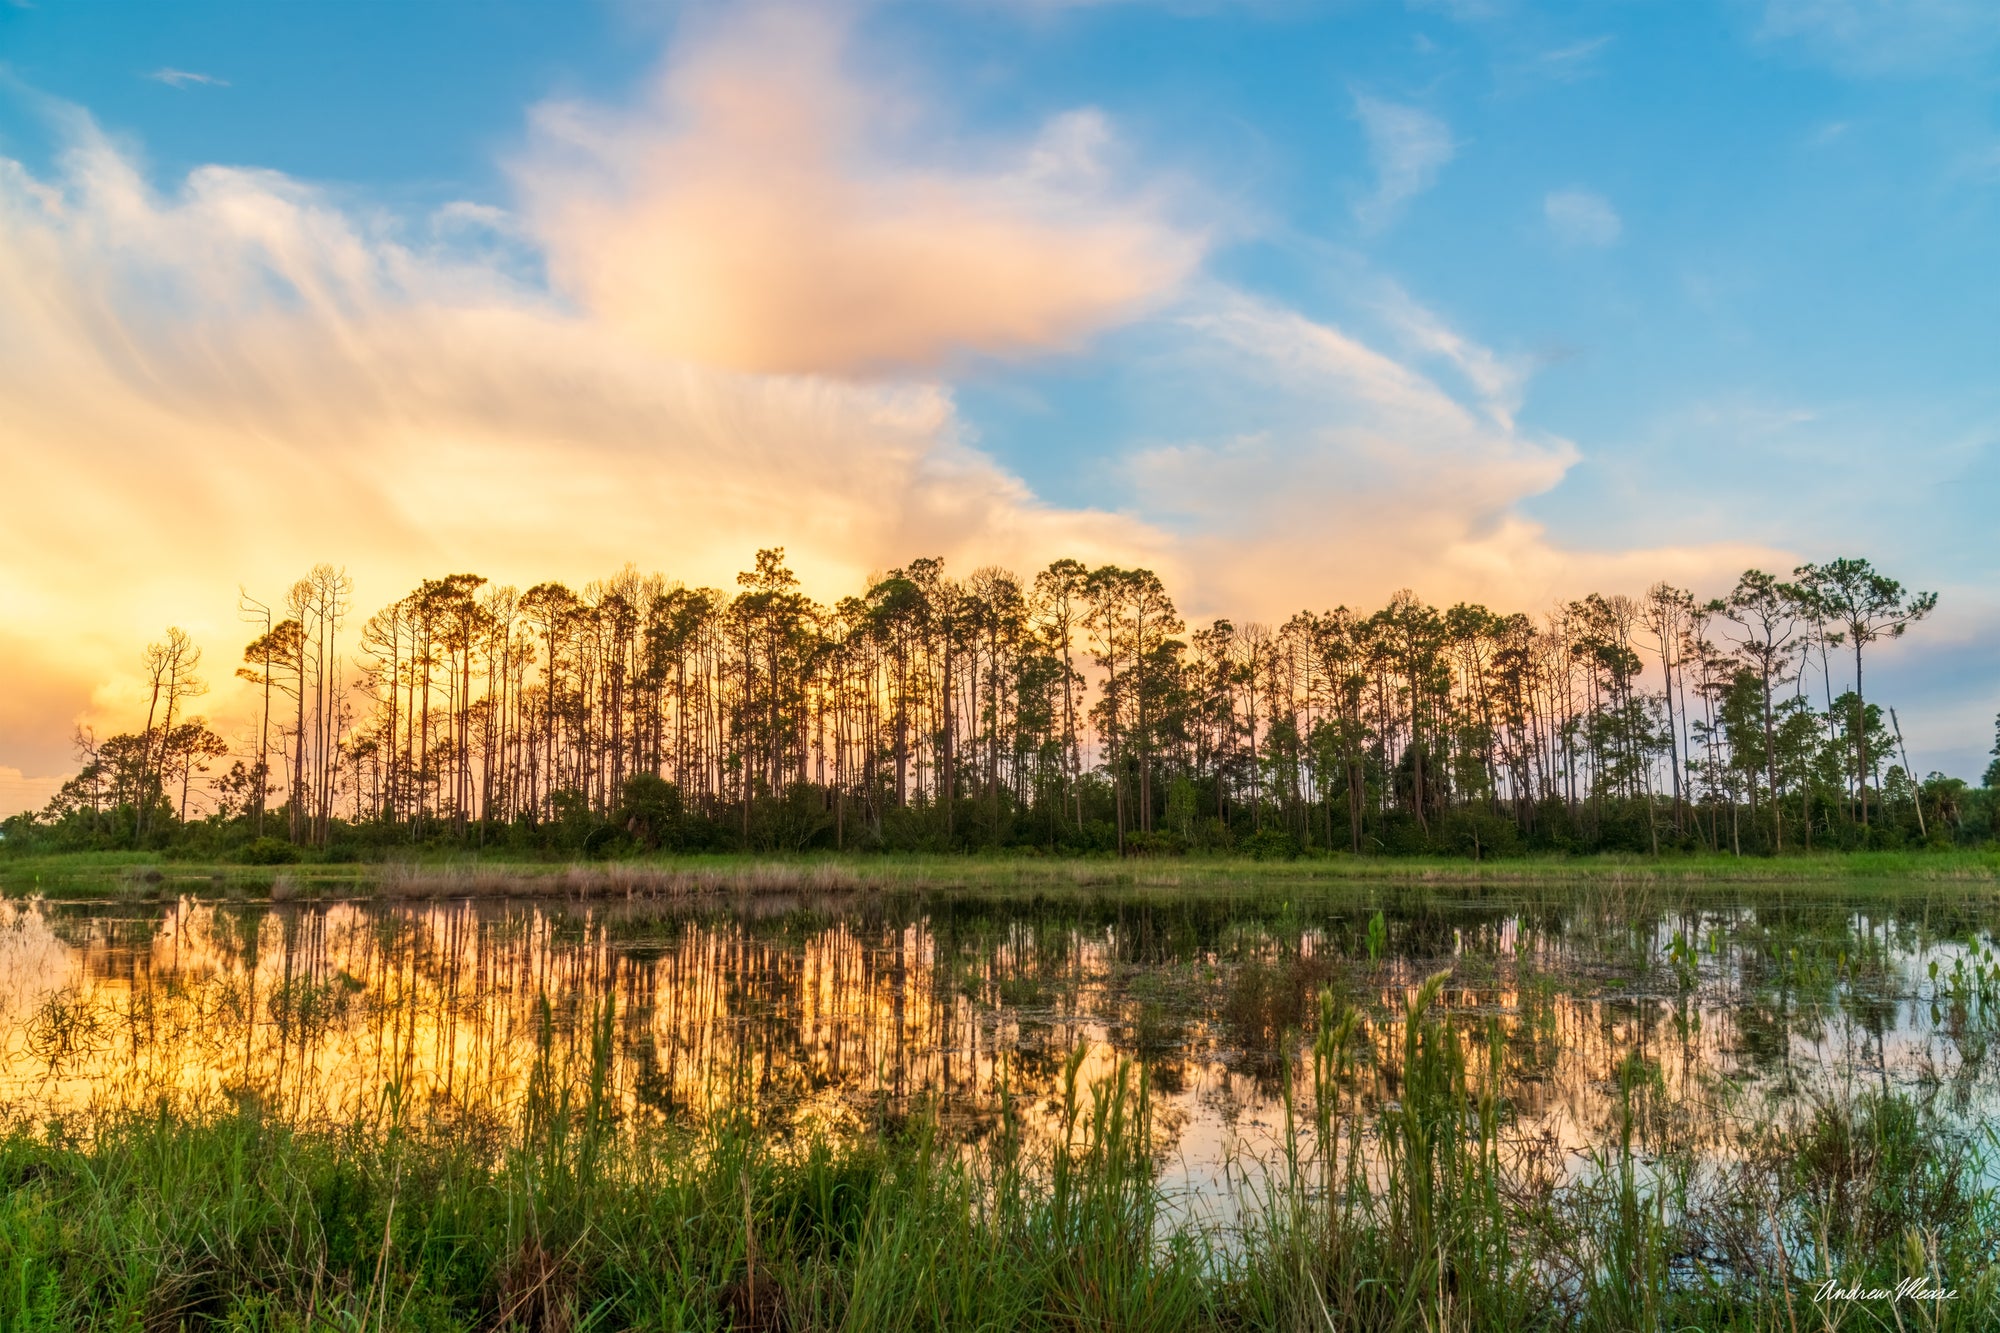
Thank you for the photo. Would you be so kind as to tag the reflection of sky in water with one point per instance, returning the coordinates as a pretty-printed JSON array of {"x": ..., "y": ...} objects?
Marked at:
[{"x": 826, "y": 1017}]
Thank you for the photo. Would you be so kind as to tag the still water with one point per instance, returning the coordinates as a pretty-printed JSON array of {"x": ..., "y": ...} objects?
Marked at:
[{"x": 831, "y": 1015}]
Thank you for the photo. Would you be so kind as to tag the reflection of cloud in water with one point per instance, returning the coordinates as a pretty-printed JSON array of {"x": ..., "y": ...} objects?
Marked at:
[
  {"x": 827, "y": 1020},
  {"x": 33, "y": 962}
]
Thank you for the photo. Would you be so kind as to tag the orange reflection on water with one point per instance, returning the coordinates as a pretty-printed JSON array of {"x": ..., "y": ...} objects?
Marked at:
[{"x": 827, "y": 1020}]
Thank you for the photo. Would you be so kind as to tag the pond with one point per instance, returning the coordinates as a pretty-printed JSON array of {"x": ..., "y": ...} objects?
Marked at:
[{"x": 1699, "y": 1020}]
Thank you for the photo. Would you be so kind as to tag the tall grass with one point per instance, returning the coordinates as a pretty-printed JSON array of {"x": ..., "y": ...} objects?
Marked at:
[
  {"x": 466, "y": 873},
  {"x": 1412, "y": 1212},
  {"x": 617, "y": 880},
  {"x": 574, "y": 1222},
  {"x": 1407, "y": 1228}
]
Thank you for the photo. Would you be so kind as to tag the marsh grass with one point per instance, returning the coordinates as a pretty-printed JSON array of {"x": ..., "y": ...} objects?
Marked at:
[
  {"x": 574, "y": 1221},
  {"x": 1263, "y": 1001},
  {"x": 585, "y": 882},
  {"x": 445, "y": 873},
  {"x": 1418, "y": 1211}
]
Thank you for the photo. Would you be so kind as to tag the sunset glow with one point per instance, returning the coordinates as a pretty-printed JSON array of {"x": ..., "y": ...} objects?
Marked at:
[{"x": 815, "y": 278}]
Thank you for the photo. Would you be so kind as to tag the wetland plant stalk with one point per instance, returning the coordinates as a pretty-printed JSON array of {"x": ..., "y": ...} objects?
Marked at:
[{"x": 1397, "y": 1214}]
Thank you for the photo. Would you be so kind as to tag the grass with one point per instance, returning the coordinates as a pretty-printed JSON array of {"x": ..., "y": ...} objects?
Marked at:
[
  {"x": 1414, "y": 1214},
  {"x": 100, "y": 875}
]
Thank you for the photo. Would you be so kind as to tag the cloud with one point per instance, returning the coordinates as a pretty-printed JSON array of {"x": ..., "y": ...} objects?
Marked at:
[
  {"x": 1407, "y": 147},
  {"x": 1877, "y": 37},
  {"x": 1354, "y": 473},
  {"x": 20, "y": 792},
  {"x": 1940, "y": 679},
  {"x": 1574, "y": 61},
  {"x": 182, "y": 78},
  {"x": 768, "y": 210},
  {"x": 231, "y": 381},
  {"x": 1582, "y": 217},
  {"x": 1980, "y": 167},
  {"x": 1498, "y": 382}
]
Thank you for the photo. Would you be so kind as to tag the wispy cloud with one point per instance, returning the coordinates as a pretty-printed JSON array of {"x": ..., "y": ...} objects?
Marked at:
[
  {"x": 1573, "y": 61},
  {"x": 186, "y": 78},
  {"x": 1582, "y": 217},
  {"x": 1981, "y": 166},
  {"x": 1885, "y": 36},
  {"x": 1333, "y": 447},
  {"x": 1498, "y": 382},
  {"x": 1408, "y": 147}
]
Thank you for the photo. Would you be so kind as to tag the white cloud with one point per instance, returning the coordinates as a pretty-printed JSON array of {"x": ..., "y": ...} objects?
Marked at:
[
  {"x": 1574, "y": 61},
  {"x": 1407, "y": 147},
  {"x": 1582, "y": 217},
  {"x": 1884, "y": 36},
  {"x": 182, "y": 78},
  {"x": 1498, "y": 382},
  {"x": 1353, "y": 473},
  {"x": 230, "y": 382}
]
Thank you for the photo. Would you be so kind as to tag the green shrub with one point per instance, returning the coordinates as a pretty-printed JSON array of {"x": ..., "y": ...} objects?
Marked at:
[
  {"x": 1271, "y": 844},
  {"x": 268, "y": 851}
]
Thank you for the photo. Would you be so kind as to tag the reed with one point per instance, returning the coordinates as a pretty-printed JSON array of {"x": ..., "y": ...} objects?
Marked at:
[{"x": 1408, "y": 1213}]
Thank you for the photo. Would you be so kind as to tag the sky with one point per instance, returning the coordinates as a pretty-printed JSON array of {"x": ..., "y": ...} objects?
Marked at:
[{"x": 1296, "y": 303}]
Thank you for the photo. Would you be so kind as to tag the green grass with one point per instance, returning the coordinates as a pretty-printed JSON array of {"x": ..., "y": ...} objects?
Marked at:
[
  {"x": 135, "y": 875},
  {"x": 560, "y": 1216}
]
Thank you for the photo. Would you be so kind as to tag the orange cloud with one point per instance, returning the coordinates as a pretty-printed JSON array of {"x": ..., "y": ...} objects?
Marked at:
[
  {"x": 757, "y": 214},
  {"x": 232, "y": 383}
]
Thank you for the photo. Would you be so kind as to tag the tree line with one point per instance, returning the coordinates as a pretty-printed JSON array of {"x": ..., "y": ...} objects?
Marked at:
[{"x": 1074, "y": 709}]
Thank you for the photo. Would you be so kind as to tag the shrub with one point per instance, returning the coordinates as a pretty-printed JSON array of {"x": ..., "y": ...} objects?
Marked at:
[
  {"x": 268, "y": 851},
  {"x": 1272, "y": 844}
]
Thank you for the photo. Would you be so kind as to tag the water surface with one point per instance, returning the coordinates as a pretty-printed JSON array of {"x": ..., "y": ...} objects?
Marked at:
[{"x": 845, "y": 1013}]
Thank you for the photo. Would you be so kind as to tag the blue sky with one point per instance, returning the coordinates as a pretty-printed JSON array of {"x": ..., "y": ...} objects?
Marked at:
[{"x": 1712, "y": 278}]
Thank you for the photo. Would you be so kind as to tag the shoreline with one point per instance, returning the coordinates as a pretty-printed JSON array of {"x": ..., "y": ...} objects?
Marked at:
[{"x": 135, "y": 877}]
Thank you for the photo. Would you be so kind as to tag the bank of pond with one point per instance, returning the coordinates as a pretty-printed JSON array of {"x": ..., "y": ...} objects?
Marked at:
[{"x": 136, "y": 876}]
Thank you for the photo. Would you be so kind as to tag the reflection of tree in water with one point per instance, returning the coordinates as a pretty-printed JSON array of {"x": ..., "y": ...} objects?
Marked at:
[{"x": 838, "y": 1015}]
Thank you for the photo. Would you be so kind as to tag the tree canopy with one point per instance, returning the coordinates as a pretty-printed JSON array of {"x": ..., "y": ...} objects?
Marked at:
[{"x": 1074, "y": 709}]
